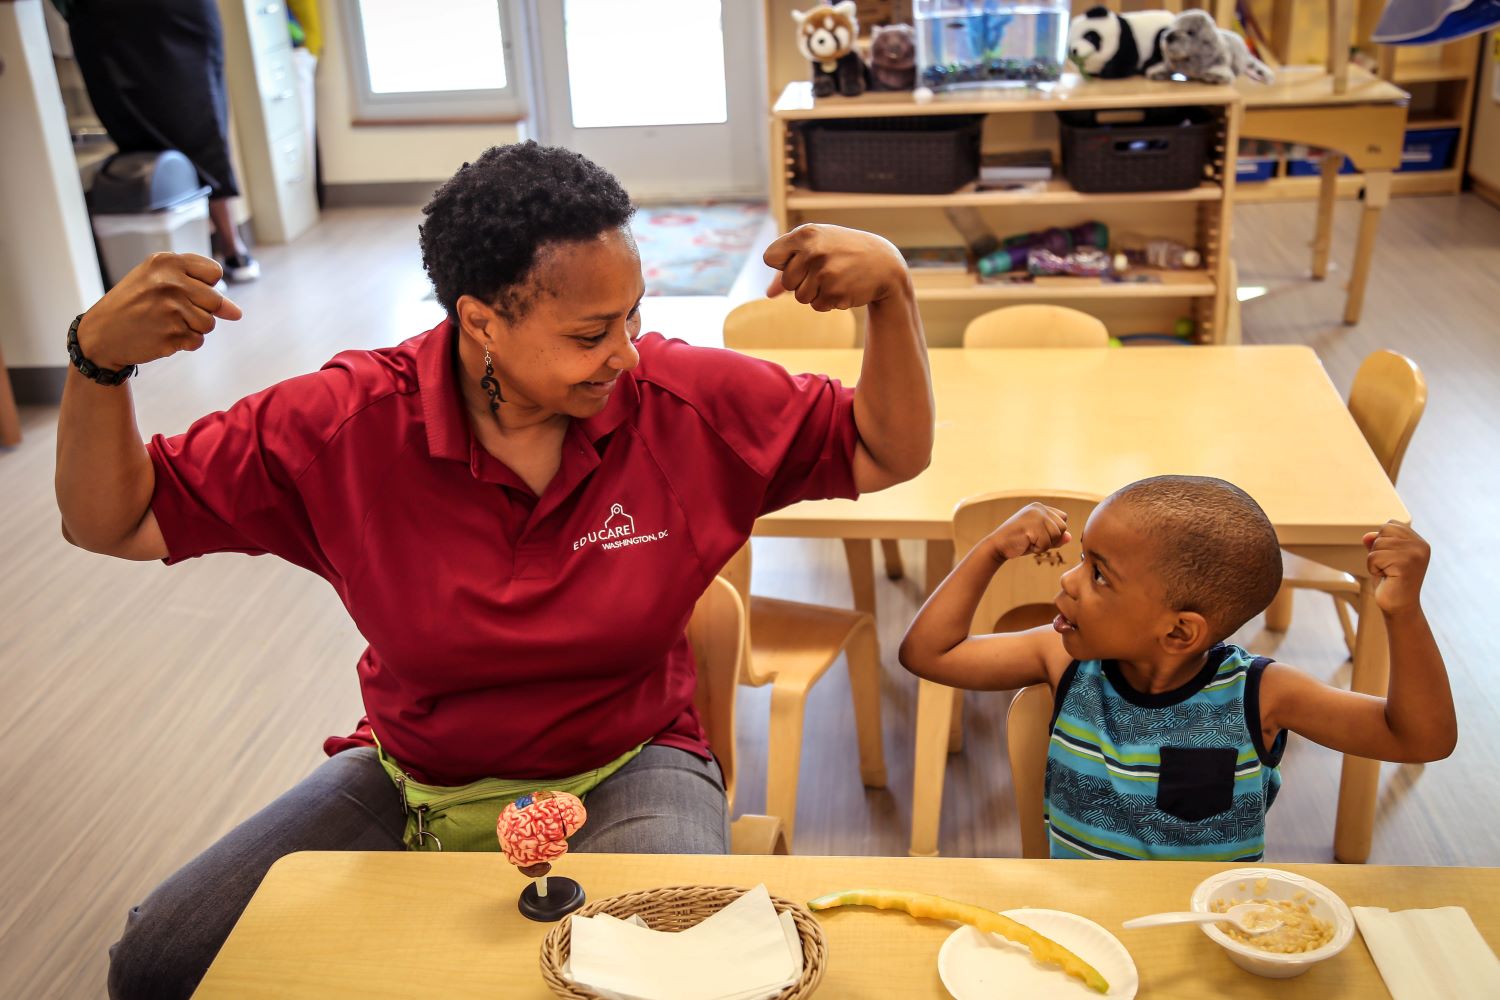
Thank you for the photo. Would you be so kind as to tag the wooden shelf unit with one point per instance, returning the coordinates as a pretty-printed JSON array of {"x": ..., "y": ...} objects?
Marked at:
[{"x": 1017, "y": 118}]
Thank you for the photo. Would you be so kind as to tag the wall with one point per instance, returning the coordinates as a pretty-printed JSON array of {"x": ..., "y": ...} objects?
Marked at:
[
  {"x": 48, "y": 272},
  {"x": 373, "y": 154},
  {"x": 1484, "y": 154}
]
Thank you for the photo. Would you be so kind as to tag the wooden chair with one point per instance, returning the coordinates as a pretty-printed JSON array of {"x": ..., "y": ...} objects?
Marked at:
[
  {"x": 790, "y": 645},
  {"x": 1035, "y": 326},
  {"x": 1020, "y": 596},
  {"x": 717, "y": 634},
  {"x": 1386, "y": 400},
  {"x": 1027, "y": 736},
  {"x": 10, "y": 417},
  {"x": 784, "y": 323}
]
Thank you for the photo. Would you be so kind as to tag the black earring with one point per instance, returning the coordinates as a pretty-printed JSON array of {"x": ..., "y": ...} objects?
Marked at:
[{"x": 490, "y": 384}]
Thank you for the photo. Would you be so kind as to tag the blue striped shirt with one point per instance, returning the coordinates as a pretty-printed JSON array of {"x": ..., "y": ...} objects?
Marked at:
[{"x": 1179, "y": 775}]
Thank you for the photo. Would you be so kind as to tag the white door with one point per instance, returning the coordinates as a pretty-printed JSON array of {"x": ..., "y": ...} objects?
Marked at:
[{"x": 663, "y": 93}]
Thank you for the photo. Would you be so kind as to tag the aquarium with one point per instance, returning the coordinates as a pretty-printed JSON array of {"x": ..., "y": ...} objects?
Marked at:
[{"x": 990, "y": 43}]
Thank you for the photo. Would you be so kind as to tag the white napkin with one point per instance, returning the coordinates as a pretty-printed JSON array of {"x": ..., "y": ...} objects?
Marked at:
[
  {"x": 746, "y": 951},
  {"x": 1429, "y": 953}
]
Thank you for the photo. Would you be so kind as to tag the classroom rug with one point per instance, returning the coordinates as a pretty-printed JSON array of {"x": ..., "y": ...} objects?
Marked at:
[{"x": 696, "y": 249}]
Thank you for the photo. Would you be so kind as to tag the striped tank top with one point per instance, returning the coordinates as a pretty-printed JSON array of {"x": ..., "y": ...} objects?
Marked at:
[{"x": 1179, "y": 775}]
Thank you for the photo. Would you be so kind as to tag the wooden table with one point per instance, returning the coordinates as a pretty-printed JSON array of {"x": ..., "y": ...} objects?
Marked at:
[
  {"x": 1265, "y": 418},
  {"x": 403, "y": 925},
  {"x": 1364, "y": 120}
]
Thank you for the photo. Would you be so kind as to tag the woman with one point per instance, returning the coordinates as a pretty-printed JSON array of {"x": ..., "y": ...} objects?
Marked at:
[{"x": 519, "y": 508}]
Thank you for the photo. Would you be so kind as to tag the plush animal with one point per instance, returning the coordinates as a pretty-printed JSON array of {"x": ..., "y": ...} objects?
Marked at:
[
  {"x": 893, "y": 57},
  {"x": 1197, "y": 48},
  {"x": 1105, "y": 44},
  {"x": 826, "y": 37}
]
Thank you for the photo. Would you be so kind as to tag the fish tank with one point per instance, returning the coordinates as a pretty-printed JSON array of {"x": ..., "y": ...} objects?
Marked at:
[{"x": 990, "y": 43}]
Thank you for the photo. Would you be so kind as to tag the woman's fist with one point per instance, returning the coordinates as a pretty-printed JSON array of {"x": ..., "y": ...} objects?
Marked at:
[
  {"x": 830, "y": 267},
  {"x": 166, "y": 304}
]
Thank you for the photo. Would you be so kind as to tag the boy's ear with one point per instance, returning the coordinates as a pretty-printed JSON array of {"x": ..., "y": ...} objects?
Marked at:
[{"x": 1188, "y": 634}]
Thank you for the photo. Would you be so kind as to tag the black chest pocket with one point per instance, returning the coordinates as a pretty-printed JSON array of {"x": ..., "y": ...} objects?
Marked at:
[{"x": 1196, "y": 782}]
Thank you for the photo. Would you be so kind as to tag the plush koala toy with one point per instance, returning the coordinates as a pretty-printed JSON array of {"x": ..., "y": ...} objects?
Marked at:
[
  {"x": 893, "y": 57},
  {"x": 1108, "y": 45},
  {"x": 826, "y": 37},
  {"x": 1197, "y": 48}
]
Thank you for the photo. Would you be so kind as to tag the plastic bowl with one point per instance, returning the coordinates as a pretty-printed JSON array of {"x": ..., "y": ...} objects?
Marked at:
[{"x": 1238, "y": 885}]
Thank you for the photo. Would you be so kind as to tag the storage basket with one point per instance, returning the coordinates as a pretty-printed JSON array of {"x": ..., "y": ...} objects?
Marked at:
[
  {"x": 934, "y": 154},
  {"x": 676, "y": 908},
  {"x": 1163, "y": 149}
]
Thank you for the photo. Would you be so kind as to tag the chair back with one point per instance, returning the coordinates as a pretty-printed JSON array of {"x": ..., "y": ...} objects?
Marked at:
[
  {"x": 783, "y": 323},
  {"x": 717, "y": 634},
  {"x": 1386, "y": 401},
  {"x": 1035, "y": 326},
  {"x": 1021, "y": 594},
  {"x": 1026, "y": 739},
  {"x": 737, "y": 573}
]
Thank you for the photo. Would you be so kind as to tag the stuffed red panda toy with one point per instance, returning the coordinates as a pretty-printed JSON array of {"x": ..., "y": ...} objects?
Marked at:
[{"x": 826, "y": 37}]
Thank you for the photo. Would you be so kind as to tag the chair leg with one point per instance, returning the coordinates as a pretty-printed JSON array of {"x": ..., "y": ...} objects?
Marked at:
[
  {"x": 891, "y": 549},
  {"x": 1279, "y": 612},
  {"x": 784, "y": 755},
  {"x": 934, "y": 715},
  {"x": 956, "y": 724},
  {"x": 863, "y": 654},
  {"x": 860, "y": 554},
  {"x": 1342, "y": 605}
]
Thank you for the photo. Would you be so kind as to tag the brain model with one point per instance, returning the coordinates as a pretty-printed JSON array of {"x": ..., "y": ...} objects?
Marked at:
[{"x": 534, "y": 829}]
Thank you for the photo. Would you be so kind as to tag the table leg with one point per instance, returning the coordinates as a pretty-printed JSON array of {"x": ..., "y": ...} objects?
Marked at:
[
  {"x": 1328, "y": 192},
  {"x": 10, "y": 417},
  {"x": 1377, "y": 196},
  {"x": 1359, "y": 785},
  {"x": 934, "y": 714},
  {"x": 939, "y": 563},
  {"x": 860, "y": 553}
]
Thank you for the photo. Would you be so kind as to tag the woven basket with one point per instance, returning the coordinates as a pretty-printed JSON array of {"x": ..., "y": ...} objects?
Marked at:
[{"x": 676, "y": 908}]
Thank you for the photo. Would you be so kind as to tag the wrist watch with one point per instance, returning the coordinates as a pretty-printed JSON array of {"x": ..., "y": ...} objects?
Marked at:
[{"x": 89, "y": 370}]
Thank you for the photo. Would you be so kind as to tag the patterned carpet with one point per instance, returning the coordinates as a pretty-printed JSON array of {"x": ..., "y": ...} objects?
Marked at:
[{"x": 696, "y": 249}]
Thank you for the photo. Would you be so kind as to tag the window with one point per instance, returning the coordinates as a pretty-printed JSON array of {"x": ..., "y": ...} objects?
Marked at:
[{"x": 439, "y": 59}]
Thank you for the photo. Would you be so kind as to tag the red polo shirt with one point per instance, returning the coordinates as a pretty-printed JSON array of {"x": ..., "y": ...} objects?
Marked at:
[{"x": 509, "y": 635}]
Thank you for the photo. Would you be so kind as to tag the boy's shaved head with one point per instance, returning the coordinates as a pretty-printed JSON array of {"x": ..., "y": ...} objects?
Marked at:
[{"x": 1214, "y": 548}]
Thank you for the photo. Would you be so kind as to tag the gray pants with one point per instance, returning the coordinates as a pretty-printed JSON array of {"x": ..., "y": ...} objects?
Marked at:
[{"x": 664, "y": 801}]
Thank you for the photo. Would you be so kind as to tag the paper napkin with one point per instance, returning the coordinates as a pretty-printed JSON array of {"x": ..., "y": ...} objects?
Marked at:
[
  {"x": 1429, "y": 953},
  {"x": 746, "y": 951}
]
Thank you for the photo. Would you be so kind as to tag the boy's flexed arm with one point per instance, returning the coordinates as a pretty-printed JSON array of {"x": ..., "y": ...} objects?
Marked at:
[
  {"x": 938, "y": 646},
  {"x": 1415, "y": 722}
]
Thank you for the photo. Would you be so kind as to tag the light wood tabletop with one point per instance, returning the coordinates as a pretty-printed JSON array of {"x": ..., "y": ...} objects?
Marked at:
[
  {"x": 410, "y": 924},
  {"x": 1266, "y": 418}
]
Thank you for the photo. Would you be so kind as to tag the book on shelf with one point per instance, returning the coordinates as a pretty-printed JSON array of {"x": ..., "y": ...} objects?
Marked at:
[
  {"x": 1015, "y": 167},
  {"x": 938, "y": 267}
]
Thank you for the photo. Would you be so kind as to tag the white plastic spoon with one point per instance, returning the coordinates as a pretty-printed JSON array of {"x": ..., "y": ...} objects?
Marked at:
[{"x": 1236, "y": 915}]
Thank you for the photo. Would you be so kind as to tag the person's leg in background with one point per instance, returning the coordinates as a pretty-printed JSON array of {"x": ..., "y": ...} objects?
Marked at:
[
  {"x": 171, "y": 938},
  {"x": 665, "y": 801}
]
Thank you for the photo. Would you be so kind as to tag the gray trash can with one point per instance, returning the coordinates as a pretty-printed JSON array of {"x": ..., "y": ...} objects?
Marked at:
[{"x": 144, "y": 203}]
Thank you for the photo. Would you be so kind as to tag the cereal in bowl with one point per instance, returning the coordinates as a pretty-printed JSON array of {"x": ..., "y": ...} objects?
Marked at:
[{"x": 1299, "y": 932}]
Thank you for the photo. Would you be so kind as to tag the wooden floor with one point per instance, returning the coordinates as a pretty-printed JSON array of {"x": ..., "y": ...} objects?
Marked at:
[{"x": 144, "y": 711}]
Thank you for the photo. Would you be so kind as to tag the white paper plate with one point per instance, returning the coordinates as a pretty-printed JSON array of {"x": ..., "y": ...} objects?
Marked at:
[{"x": 979, "y": 966}]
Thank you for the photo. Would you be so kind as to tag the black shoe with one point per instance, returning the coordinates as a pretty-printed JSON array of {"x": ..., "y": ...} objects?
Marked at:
[{"x": 238, "y": 270}]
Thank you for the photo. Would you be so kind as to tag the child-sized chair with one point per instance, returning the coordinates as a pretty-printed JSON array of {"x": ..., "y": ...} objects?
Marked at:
[
  {"x": 1386, "y": 400},
  {"x": 783, "y": 323},
  {"x": 1027, "y": 735},
  {"x": 1020, "y": 596},
  {"x": 790, "y": 645},
  {"x": 1035, "y": 326},
  {"x": 717, "y": 634}
]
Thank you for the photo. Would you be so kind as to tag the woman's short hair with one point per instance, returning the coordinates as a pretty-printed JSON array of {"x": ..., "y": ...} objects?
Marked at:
[{"x": 487, "y": 225}]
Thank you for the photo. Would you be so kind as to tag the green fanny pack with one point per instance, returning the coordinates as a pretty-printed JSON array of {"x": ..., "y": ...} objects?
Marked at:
[{"x": 463, "y": 818}]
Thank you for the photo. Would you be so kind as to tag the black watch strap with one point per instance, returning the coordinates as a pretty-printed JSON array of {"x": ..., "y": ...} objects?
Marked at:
[{"x": 89, "y": 370}]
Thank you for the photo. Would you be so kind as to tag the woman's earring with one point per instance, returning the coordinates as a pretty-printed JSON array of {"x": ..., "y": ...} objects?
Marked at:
[{"x": 490, "y": 384}]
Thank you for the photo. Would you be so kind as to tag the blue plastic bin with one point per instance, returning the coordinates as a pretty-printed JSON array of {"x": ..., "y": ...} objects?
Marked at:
[
  {"x": 1250, "y": 169},
  {"x": 1428, "y": 149}
]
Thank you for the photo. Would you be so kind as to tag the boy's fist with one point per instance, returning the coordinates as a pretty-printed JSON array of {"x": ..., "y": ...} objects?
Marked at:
[
  {"x": 1034, "y": 528},
  {"x": 1398, "y": 561}
]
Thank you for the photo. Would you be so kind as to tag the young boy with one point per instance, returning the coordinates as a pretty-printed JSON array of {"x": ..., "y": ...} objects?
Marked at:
[{"x": 1165, "y": 739}]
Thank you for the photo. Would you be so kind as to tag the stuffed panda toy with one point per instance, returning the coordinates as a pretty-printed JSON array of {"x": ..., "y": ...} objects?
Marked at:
[{"x": 1109, "y": 45}]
